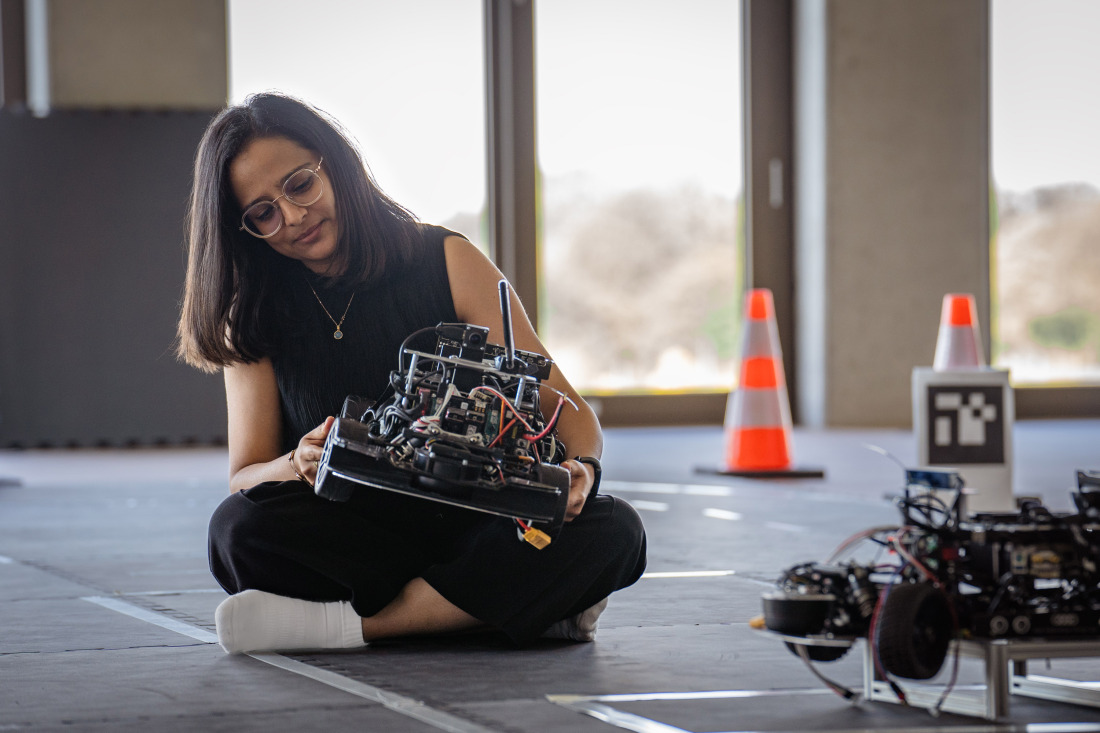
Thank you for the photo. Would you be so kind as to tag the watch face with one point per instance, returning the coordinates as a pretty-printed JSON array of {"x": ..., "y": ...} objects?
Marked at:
[{"x": 965, "y": 425}]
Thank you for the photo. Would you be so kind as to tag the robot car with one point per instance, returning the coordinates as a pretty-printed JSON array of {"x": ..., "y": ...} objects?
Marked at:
[
  {"x": 461, "y": 426},
  {"x": 942, "y": 575}
]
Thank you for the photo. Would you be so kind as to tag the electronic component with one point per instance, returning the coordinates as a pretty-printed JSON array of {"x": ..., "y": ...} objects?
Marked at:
[
  {"x": 1031, "y": 573},
  {"x": 462, "y": 425}
]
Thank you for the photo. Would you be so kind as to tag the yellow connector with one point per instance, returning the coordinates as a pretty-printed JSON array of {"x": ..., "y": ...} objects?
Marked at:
[
  {"x": 537, "y": 537},
  {"x": 757, "y": 622}
]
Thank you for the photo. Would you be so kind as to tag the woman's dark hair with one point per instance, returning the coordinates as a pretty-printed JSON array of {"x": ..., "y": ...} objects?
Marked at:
[{"x": 231, "y": 275}]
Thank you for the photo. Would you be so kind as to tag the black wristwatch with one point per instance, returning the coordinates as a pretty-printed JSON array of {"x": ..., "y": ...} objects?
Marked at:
[{"x": 596, "y": 467}]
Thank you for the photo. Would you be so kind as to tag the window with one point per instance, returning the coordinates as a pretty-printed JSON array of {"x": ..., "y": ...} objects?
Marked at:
[
  {"x": 639, "y": 146},
  {"x": 404, "y": 78},
  {"x": 1046, "y": 176}
]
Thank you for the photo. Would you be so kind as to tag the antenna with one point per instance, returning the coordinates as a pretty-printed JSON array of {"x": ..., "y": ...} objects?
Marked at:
[{"x": 506, "y": 317}]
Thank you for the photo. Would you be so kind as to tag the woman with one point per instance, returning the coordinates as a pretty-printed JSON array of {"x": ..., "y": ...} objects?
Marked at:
[{"x": 303, "y": 279}]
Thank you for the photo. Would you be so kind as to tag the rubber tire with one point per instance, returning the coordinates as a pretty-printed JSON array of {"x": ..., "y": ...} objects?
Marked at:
[
  {"x": 914, "y": 631},
  {"x": 819, "y": 653}
]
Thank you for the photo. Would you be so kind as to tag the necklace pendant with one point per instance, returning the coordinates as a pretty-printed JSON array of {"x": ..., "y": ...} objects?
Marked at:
[{"x": 338, "y": 334}]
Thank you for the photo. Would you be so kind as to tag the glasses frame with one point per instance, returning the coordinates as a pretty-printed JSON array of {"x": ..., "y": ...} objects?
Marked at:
[{"x": 284, "y": 195}]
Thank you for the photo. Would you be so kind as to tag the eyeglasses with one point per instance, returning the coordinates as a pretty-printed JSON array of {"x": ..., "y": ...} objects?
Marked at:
[{"x": 265, "y": 218}]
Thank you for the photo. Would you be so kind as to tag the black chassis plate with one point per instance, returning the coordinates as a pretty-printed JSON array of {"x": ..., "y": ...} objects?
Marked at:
[{"x": 351, "y": 460}]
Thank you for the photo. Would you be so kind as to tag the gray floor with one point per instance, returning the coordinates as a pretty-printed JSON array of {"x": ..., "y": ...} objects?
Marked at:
[{"x": 106, "y": 605}]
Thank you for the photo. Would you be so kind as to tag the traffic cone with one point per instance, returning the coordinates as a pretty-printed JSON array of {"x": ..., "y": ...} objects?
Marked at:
[
  {"x": 758, "y": 413},
  {"x": 958, "y": 345}
]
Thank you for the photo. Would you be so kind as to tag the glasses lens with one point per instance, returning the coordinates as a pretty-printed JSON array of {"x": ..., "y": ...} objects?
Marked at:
[
  {"x": 304, "y": 187},
  {"x": 263, "y": 219}
]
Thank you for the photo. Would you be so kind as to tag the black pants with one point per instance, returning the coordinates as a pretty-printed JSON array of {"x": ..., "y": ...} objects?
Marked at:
[{"x": 282, "y": 538}]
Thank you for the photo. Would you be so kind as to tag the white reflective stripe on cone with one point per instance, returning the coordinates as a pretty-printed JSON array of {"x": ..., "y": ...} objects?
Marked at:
[
  {"x": 957, "y": 347},
  {"x": 760, "y": 338},
  {"x": 758, "y": 408}
]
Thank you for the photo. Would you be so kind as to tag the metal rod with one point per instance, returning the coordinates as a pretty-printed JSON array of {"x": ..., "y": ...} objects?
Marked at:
[{"x": 506, "y": 317}]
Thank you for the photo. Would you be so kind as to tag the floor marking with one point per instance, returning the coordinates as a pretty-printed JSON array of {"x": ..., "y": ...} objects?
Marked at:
[
  {"x": 648, "y": 506},
  {"x": 152, "y": 617},
  {"x": 654, "y": 488},
  {"x": 174, "y": 592},
  {"x": 707, "y": 490},
  {"x": 627, "y": 487},
  {"x": 700, "y": 695},
  {"x": 406, "y": 706},
  {"x": 641, "y": 487},
  {"x": 765, "y": 583},
  {"x": 594, "y": 707},
  {"x": 722, "y": 514},
  {"x": 617, "y": 718},
  {"x": 784, "y": 527},
  {"x": 689, "y": 574},
  {"x": 597, "y": 706}
]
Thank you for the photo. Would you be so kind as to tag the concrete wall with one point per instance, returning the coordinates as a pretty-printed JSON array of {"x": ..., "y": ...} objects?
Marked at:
[
  {"x": 892, "y": 144},
  {"x": 91, "y": 276},
  {"x": 93, "y": 195},
  {"x": 147, "y": 54}
]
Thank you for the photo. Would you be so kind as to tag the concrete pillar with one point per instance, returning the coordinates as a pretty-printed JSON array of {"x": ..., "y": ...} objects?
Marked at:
[
  {"x": 93, "y": 195},
  {"x": 127, "y": 54},
  {"x": 891, "y": 195}
]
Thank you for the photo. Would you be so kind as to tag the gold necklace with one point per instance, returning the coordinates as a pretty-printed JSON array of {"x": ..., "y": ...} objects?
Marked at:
[{"x": 337, "y": 334}]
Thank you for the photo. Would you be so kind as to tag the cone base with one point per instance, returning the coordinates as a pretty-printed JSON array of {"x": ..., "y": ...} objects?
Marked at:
[
  {"x": 796, "y": 472},
  {"x": 758, "y": 449}
]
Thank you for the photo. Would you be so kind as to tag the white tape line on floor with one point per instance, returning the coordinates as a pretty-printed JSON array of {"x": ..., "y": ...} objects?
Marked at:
[
  {"x": 152, "y": 617},
  {"x": 398, "y": 703},
  {"x": 406, "y": 706}
]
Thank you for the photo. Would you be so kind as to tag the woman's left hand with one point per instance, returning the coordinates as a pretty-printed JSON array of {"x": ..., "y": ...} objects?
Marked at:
[{"x": 581, "y": 479}]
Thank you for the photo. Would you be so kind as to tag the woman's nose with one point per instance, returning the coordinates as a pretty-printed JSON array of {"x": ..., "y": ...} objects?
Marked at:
[{"x": 293, "y": 214}]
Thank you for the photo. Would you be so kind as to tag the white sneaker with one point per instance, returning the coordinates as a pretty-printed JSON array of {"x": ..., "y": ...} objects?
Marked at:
[{"x": 581, "y": 627}]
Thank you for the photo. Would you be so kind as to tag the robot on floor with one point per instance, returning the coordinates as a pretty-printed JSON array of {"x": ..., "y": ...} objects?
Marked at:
[
  {"x": 463, "y": 426},
  {"x": 942, "y": 575}
]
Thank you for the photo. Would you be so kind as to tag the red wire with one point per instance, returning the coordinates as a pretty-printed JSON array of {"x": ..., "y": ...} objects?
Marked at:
[
  {"x": 549, "y": 425},
  {"x": 490, "y": 390},
  {"x": 503, "y": 430},
  {"x": 911, "y": 558}
]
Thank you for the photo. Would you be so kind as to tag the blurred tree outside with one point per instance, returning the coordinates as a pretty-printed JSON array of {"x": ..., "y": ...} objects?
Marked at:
[
  {"x": 643, "y": 287},
  {"x": 1047, "y": 252}
]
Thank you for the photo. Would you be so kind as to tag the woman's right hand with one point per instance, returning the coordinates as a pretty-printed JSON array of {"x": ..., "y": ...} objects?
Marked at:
[{"x": 307, "y": 455}]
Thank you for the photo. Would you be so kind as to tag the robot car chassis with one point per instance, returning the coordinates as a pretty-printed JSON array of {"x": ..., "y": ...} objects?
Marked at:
[
  {"x": 461, "y": 426},
  {"x": 941, "y": 577}
]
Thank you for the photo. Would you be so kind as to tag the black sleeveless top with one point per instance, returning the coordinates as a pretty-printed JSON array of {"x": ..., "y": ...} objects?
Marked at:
[{"x": 314, "y": 371}]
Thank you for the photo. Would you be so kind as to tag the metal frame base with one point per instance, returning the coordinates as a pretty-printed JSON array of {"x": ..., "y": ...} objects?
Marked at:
[{"x": 992, "y": 701}]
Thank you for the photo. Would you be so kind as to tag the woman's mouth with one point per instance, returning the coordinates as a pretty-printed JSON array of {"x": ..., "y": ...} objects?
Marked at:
[{"x": 309, "y": 236}]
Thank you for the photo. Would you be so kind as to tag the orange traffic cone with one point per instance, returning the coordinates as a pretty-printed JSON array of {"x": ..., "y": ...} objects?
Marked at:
[
  {"x": 958, "y": 345},
  {"x": 758, "y": 414}
]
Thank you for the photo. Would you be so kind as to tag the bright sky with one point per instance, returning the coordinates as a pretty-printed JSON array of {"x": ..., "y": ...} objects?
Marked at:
[
  {"x": 644, "y": 91},
  {"x": 1045, "y": 107},
  {"x": 405, "y": 78},
  {"x": 631, "y": 92}
]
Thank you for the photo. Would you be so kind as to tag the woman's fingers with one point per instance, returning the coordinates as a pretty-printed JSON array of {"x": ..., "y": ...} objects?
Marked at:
[
  {"x": 308, "y": 453},
  {"x": 580, "y": 482},
  {"x": 319, "y": 433}
]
